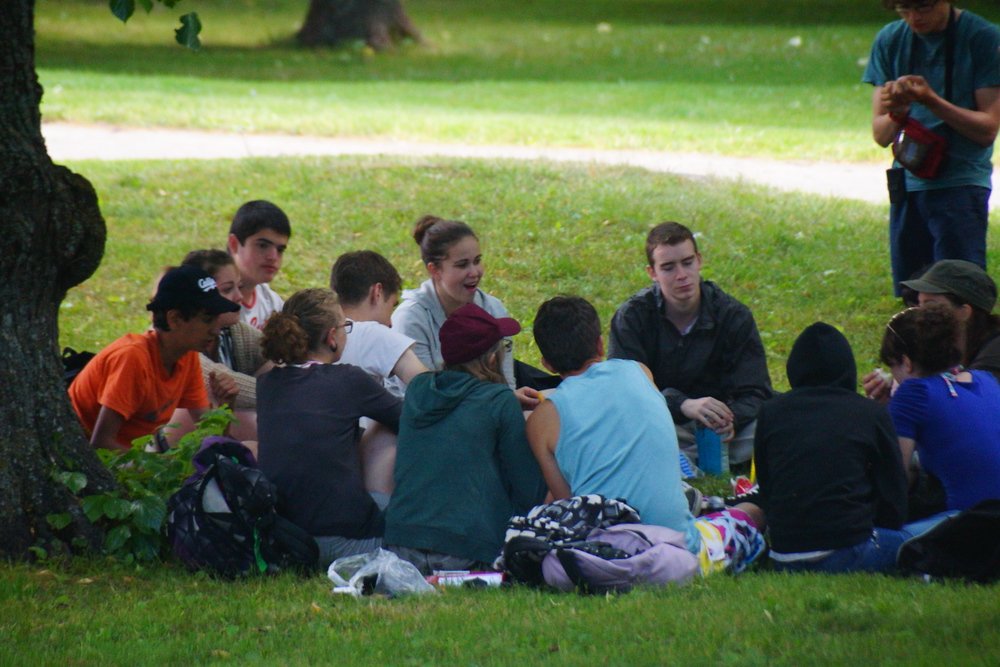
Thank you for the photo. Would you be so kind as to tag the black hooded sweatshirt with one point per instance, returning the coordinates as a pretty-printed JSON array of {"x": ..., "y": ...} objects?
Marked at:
[{"x": 828, "y": 460}]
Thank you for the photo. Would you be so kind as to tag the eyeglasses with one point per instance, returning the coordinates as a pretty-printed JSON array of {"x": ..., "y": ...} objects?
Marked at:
[
  {"x": 916, "y": 8},
  {"x": 508, "y": 345},
  {"x": 347, "y": 325}
]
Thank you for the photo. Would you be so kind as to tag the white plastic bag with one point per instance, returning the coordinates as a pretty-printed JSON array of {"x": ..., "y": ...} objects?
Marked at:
[{"x": 393, "y": 575}]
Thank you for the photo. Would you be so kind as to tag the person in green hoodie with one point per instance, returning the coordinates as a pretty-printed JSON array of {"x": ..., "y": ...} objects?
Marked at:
[{"x": 463, "y": 464}]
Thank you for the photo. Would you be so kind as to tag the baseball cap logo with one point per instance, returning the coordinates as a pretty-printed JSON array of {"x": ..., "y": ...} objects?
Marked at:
[{"x": 206, "y": 284}]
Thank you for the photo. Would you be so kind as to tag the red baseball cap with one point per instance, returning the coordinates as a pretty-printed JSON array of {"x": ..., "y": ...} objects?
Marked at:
[{"x": 470, "y": 331}]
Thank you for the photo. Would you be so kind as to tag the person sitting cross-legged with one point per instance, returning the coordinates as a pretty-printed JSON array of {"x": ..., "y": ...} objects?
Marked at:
[
  {"x": 463, "y": 465},
  {"x": 607, "y": 430},
  {"x": 131, "y": 388},
  {"x": 831, "y": 477},
  {"x": 701, "y": 345},
  {"x": 368, "y": 287}
]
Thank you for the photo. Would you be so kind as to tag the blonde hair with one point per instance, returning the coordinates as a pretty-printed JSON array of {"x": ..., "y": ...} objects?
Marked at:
[{"x": 301, "y": 326}]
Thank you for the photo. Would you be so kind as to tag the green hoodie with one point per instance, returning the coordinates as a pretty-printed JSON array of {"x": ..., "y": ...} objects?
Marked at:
[{"x": 463, "y": 467}]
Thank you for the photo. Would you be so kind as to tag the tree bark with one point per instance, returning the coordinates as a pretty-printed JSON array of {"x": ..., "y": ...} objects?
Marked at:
[
  {"x": 51, "y": 239},
  {"x": 380, "y": 23}
]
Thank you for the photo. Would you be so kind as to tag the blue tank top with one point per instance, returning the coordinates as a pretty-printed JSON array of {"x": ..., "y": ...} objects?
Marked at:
[{"x": 616, "y": 438}]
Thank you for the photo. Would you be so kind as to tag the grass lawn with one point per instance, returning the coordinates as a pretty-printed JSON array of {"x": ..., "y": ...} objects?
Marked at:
[
  {"x": 663, "y": 74},
  {"x": 772, "y": 77},
  {"x": 545, "y": 229},
  {"x": 93, "y": 614}
]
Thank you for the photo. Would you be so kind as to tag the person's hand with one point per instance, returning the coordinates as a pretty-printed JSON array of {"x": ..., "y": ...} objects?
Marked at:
[
  {"x": 528, "y": 398},
  {"x": 914, "y": 88},
  {"x": 894, "y": 99},
  {"x": 726, "y": 435},
  {"x": 223, "y": 388},
  {"x": 877, "y": 387},
  {"x": 709, "y": 412}
]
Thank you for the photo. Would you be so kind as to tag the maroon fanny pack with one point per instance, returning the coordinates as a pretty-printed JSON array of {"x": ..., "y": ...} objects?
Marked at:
[{"x": 919, "y": 150}]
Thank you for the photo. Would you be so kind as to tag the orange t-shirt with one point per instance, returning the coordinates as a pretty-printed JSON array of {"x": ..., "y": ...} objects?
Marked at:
[{"x": 128, "y": 377}]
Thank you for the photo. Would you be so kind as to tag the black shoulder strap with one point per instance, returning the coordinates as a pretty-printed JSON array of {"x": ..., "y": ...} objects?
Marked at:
[
  {"x": 572, "y": 569},
  {"x": 949, "y": 52}
]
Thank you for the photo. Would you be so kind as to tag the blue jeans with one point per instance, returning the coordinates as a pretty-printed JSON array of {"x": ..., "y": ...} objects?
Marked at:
[
  {"x": 930, "y": 225},
  {"x": 876, "y": 554}
]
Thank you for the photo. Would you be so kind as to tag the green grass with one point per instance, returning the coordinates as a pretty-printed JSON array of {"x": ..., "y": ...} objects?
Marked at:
[
  {"x": 719, "y": 76},
  {"x": 514, "y": 72},
  {"x": 98, "y": 614},
  {"x": 545, "y": 229}
]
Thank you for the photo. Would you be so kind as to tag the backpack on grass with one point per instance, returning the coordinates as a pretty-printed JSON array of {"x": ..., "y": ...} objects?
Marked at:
[
  {"x": 73, "y": 363},
  {"x": 223, "y": 520},
  {"x": 614, "y": 559},
  {"x": 964, "y": 546},
  {"x": 593, "y": 544}
]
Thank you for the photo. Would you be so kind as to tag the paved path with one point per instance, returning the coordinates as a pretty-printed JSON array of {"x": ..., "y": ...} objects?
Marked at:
[{"x": 66, "y": 141}]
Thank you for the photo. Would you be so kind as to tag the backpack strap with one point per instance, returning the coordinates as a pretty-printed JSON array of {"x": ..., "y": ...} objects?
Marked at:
[{"x": 572, "y": 569}]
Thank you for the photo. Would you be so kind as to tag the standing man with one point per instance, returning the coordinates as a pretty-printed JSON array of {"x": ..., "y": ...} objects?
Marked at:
[
  {"x": 940, "y": 66},
  {"x": 701, "y": 344},
  {"x": 258, "y": 237}
]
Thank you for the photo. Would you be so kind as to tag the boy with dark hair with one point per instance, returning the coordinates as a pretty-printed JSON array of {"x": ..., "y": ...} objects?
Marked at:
[
  {"x": 131, "y": 388},
  {"x": 607, "y": 430},
  {"x": 362, "y": 274},
  {"x": 368, "y": 286},
  {"x": 701, "y": 344},
  {"x": 258, "y": 237}
]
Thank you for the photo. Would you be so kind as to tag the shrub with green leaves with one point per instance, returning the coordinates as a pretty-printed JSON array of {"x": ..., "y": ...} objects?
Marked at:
[{"x": 134, "y": 515}]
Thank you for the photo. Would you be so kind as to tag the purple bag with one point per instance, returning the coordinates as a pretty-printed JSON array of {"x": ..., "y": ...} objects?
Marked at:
[{"x": 617, "y": 557}]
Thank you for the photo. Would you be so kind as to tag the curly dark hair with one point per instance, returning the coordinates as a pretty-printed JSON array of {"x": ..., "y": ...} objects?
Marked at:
[{"x": 927, "y": 335}]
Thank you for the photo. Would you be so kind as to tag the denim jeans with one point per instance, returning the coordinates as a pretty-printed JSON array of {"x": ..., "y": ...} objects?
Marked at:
[
  {"x": 930, "y": 225},
  {"x": 876, "y": 554}
]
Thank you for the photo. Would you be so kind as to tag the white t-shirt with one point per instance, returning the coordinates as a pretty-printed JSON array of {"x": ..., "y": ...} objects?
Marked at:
[
  {"x": 266, "y": 302},
  {"x": 375, "y": 349}
]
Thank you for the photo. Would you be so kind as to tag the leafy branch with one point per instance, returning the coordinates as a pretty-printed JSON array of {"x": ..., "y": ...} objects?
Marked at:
[{"x": 186, "y": 35}]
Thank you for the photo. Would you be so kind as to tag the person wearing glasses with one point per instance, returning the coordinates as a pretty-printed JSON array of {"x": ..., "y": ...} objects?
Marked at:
[
  {"x": 463, "y": 465},
  {"x": 945, "y": 413},
  {"x": 308, "y": 409},
  {"x": 939, "y": 66}
]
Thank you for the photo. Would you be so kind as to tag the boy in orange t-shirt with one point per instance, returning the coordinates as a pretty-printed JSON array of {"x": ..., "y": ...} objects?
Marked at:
[{"x": 131, "y": 388}]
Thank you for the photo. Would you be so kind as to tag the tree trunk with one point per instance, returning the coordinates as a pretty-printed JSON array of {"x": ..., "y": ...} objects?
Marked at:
[
  {"x": 51, "y": 238},
  {"x": 380, "y": 23}
]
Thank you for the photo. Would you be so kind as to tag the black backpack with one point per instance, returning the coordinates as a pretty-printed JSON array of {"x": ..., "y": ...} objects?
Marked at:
[
  {"x": 73, "y": 363},
  {"x": 223, "y": 520},
  {"x": 965, "y": 546}
]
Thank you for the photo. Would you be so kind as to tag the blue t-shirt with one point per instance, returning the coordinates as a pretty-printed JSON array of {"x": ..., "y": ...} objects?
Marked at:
[
  {"x": 616, "y": 438},
  {"x": 958, "y": 437},
  {"x": 976, "y": 65}
]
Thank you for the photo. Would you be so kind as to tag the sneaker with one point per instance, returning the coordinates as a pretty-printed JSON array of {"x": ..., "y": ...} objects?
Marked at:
[{"x": 693, "y": 497}]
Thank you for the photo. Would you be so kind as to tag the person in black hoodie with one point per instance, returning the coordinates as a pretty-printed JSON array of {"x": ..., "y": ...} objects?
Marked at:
[{"x": 831, "y": 477}]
